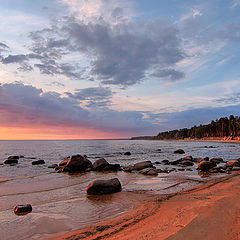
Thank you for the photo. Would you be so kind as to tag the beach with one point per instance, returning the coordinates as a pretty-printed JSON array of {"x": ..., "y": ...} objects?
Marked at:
[
  {"x": 210, "y": 211},
  {"x": 60, "y": 204}
]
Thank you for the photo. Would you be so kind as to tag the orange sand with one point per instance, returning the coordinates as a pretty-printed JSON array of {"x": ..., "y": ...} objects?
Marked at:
[{"x": 208, "y": 212}]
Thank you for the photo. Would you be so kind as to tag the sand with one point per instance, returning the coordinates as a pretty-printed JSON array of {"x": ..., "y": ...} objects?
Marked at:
[{"x": 210, "y": 212}]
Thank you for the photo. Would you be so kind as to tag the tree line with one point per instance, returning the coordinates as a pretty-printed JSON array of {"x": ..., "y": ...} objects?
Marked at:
[{"x": 223, "y": 127}]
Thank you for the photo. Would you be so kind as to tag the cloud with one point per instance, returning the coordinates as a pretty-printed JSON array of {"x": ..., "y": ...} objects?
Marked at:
[
  {"x": 230, "y": 32},
  {"x": 233, "y": 99},
  {"x": 169, "y": 74},
  {"x": 192, "y": 14},
  {"x": 26, "y": 106},
  {"x": 122, "y": 54},
  {"x": 235, "y": 3},
  {"x": 3, "y": 47},
  {"x": 111, "y": 11},
  {"x": 93, "y": 96}
]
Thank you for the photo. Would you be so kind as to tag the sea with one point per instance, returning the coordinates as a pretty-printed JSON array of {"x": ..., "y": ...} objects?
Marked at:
[{"x": 59, "y": 200}]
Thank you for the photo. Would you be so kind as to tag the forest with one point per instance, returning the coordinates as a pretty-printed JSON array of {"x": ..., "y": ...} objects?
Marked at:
[{"x": 223, "y": 127}]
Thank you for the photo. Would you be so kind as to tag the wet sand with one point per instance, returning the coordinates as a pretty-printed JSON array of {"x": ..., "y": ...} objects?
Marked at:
[{"x": 210, "y": 211}]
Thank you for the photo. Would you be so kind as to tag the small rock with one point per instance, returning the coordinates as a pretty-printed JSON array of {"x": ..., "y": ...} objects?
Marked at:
[
  {"x": 38, "y": 162},
  {"x": 189, "y": 158},
  {"x": 100, "y": 164},
  {"x": 216, "y": 160},
  {"x": 186, "y": 163},
  {"x": 233, "y": 163},
  {"x": 11, "y": 161},
  {"x": 53, "y": 166},
  {"x": 57, "y": 168},
  {"x": 100, "y": 187},
  {"x": 236, "y": 169},
  {"x": 205, "y": 166},
  {"x": 179, "y": 151},
  {"x": 149, "y": 171},
  {"x": 157, "y": 162},
  {"x": 126, "y": 153},
  {"x": 141, "y": 165},
  {"x": 22, "y": 209},
  {"x": 13, "y": 157},
  {"x": 159, "y": 150},
  {"x": 166, "y": 162}
]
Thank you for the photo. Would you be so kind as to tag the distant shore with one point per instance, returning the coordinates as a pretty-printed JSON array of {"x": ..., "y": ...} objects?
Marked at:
[
  {"x": 205, "y": 139},
  {"x": 209, "y": 211}
]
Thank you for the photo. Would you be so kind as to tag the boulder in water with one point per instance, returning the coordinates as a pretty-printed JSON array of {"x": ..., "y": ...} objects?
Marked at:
[
  {"x": 205, "y": 166},
  {"x": 100, "y": 187},
  {"x": 179, "y": 151},
  {"x": 77, "y": 163},
  {"x": 22, "y": 209},
  {"x": 38, "y": 162}
]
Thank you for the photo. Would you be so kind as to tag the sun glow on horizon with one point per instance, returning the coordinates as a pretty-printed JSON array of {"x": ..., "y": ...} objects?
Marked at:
[{"x": 16, "y": 133}]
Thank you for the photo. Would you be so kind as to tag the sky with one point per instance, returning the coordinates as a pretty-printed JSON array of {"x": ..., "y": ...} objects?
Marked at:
[{"x": 92, "y": 69}]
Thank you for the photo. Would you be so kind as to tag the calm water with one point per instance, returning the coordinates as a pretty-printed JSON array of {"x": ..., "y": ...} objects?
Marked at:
[{"x": 59, "y": 200}]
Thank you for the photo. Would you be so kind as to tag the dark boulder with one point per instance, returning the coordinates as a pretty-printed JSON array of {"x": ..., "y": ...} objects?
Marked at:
[
  {"x": 13, "y": 157},
  {"x": 166, "y": 162},
  {"x": 157, "y": 162},
  {"x": 205, "y": 166},
  {"x": 141, "y": 165},
  {"x": 176, "y": 162},
  {"x": 203, "y": 159},
  {"x": 233, "y": 163},
  {"x": 189, "y": 158},
  {"x": 128, "y": 168},
  {"x": 186, "y": 163},
  {"x": 216, "y": 160},
  {"x": 149, "y": 171},
  {"x": 179, "y": 151},
  {"x": 22, "y": 209},
  {"x": 64, "y": 161},
  {"x": 112, "y": 167},
  {"x": 11, "y": 161},
  {"x": 100, "y": 164},
  {"x": 100, "y": 187},
  {"x": 126, "y": 153},
  {"x": 77, "y": 163},
  {"x": 38, "y": 162}
]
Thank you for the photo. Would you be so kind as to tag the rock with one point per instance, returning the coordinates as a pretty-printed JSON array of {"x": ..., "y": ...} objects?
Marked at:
[
  {"x": 189, "y": 158},
  {"x": 112, "y": 167},
  {"x": 77, "y": 163},
  {"x": 186, "y": 163},
  {"x": 64, "y": 161},
  {"x": 100, "y": 187},
  {"x": 53, "y": 166},
  {"x": 57, "y": 168},
  {"x": 179, "y": 151},
  {"x": 100, "y": 164},
  {"x": 38, "y": 162},
  {"x": 11, "y": 161},
  {"x": 233, "y": 163},
  {"x": 236, "y": 169},
  {"x": 126, "y": 153},
  {"x": 159, "y": 150},
  {"x": 166, "y": 162},
  {"x": 203, "y": 159},
  {"x": 128, "y": 168},
  {"x": 13, "y": 157},
  {"x": 22, "y": 209},
  {"x": 216, "y": 160},
  {"x": 176, "y": 162},
  {"x": 141, "y": 165},
  {"x": 205, "y": 166},
  {"x": 157, "y": 162},
  {"x": 149, "y": 171}
]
